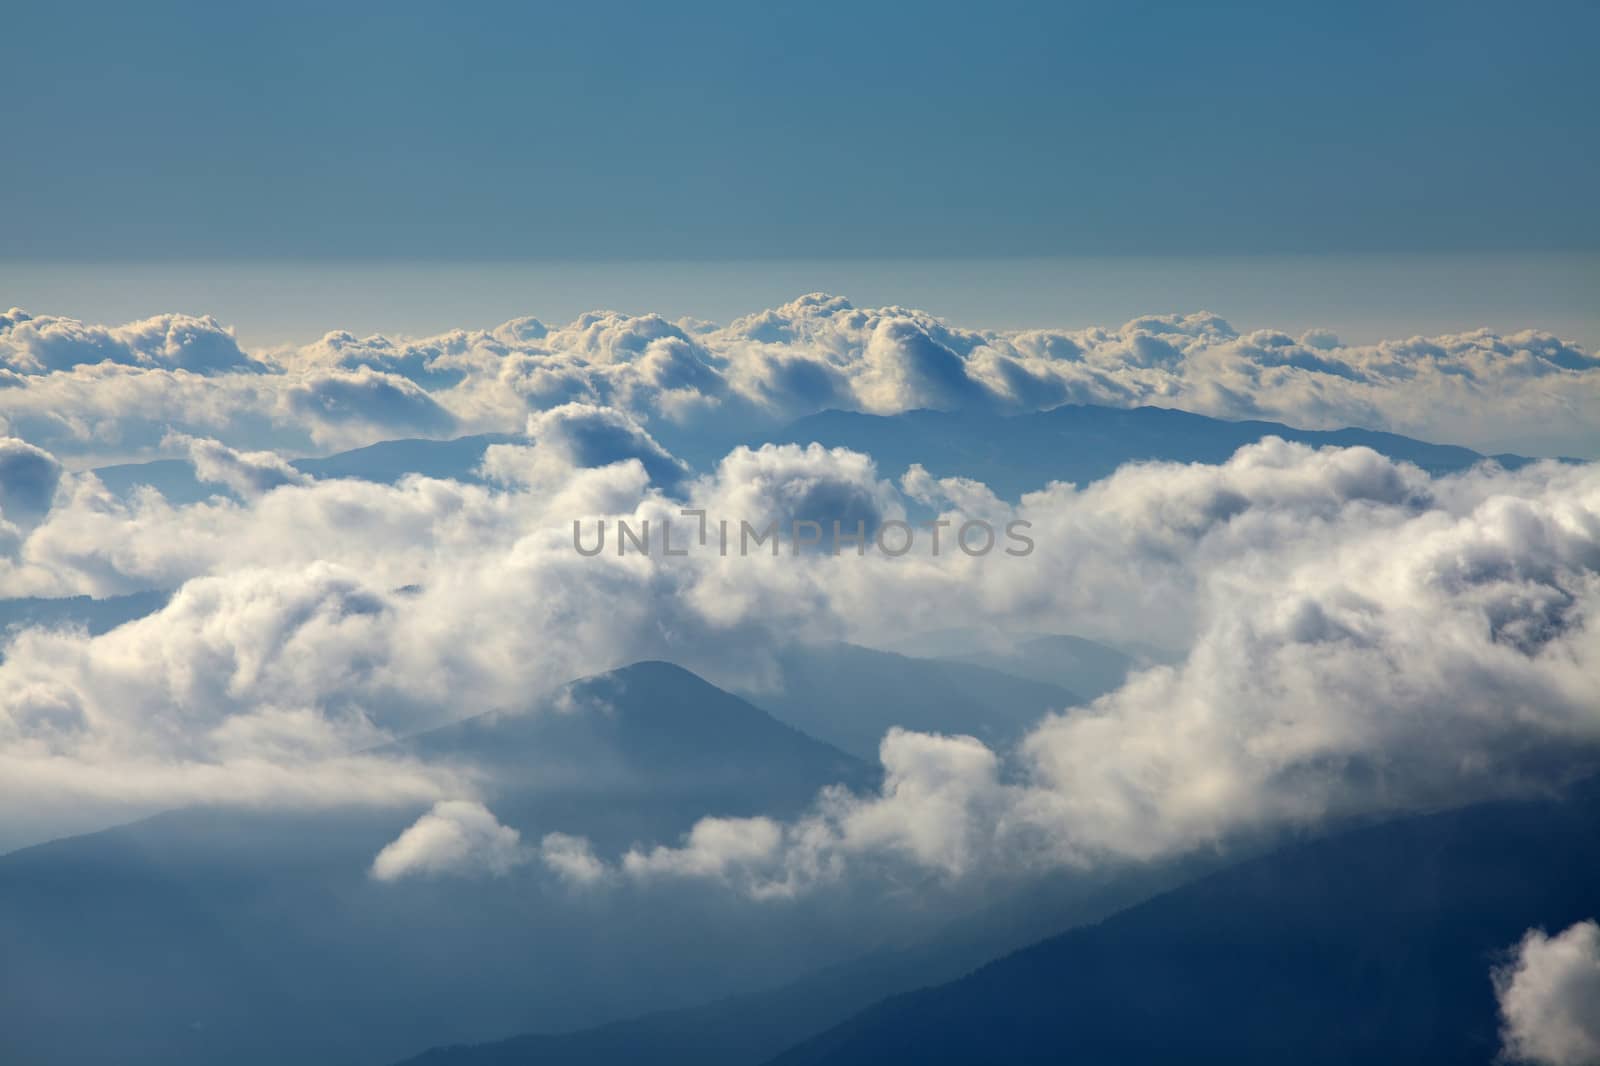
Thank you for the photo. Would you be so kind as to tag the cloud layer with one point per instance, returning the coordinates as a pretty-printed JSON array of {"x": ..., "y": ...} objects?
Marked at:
[
  {"x": 1340, "y": 634},
  {"x": 102, "y": 392},
  {"x": 1347, "y": 635}
]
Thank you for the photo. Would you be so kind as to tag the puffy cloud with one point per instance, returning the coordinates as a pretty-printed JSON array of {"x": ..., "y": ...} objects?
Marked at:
[
  {"x": 940, "y": 800},
  {"x": 1549, "y": 997},
  {"x": 1343, "y": 633},
  {"x": 611, "y": 337},
  {"x": 310, "y": 623},
  {"x": 1523, "y": 391},
  {"x": 336, "y": 404},
  {"x": 456, "y": 837},
  {"x": 1359, "y": 639},
  {"x": 108, "y": 412},
  {"x": 906, "y": 367},
  {"x": 572, "y": 859},
  {"x": 716, "y": 847},
  {"x": 256, "y": 689},
  {"x": 223, "y": 652},
  {"x": 432, "y": 362},
  {"x": 322, "y": 618},
  {"x": 789, "y": 483},
  {"x": 584, "y": 435},
  {"x": 939, "y": 794},
  {"x": 30, "y": 345},
  {"x": 793, "y": 384},
  {"x": 75, "y": 388},
  {"x": 246, "y": 473},
  {"x": 28, "y": 479}
]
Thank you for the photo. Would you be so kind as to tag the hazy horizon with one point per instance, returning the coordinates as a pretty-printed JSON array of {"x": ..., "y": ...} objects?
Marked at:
[{"x": 1363, "y": 297}]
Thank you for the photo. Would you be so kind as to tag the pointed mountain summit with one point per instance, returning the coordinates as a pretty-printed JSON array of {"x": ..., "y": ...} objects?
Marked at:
[
  {"x": 654, "y": 730},
  {"x": 257, "y": 937}
]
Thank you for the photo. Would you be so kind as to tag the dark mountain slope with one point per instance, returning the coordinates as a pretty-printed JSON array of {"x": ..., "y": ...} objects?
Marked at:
[
  {"x": 746, "y": 1030},
  {"x": 651, "y": 745},
  {"x": 1374, "y": 946}
]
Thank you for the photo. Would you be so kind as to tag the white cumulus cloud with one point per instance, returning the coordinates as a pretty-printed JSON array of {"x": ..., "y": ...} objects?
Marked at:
[
  {"x": 76, "y": 388},
  {"x": 246, "y": 473},
  {"x": 457, "y": 837},
  {"x": 1550, "y": 998}
]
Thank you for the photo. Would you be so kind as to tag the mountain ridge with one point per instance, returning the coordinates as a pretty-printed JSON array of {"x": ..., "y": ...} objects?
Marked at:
[
  {"x": 1372, "y": 945},
  {"x": 994, "y": 451},
  {"x": 259, "y": 937},
  {"x": 1081, "y": 443}
]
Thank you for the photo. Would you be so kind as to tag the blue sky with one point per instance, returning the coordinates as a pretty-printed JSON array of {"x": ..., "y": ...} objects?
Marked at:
[{"x": 486, "y": 131}]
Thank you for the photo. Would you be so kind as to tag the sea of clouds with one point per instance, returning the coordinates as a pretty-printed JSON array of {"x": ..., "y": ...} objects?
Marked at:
[
  {"x": 1337, "y": 634},
  {"x": 93, "y": 391}
]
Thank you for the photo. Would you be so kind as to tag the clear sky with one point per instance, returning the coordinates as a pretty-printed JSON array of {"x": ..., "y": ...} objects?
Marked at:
[{"x": 616, "y": 130}]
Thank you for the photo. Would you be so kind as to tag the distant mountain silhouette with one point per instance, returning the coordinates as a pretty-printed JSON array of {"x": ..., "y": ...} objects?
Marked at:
[
  {"x": 1014, "y": 454},
  {"x": 385, "y": 462},
  {"x": 388, "y": 461},
  {"x": 258, "y": 937},
  {"x": 652, "y": 743},
  {"x": 94, "y": 615},
  {"x": 851, "y": 696},
  {"x": 1374, "y": 946}
]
